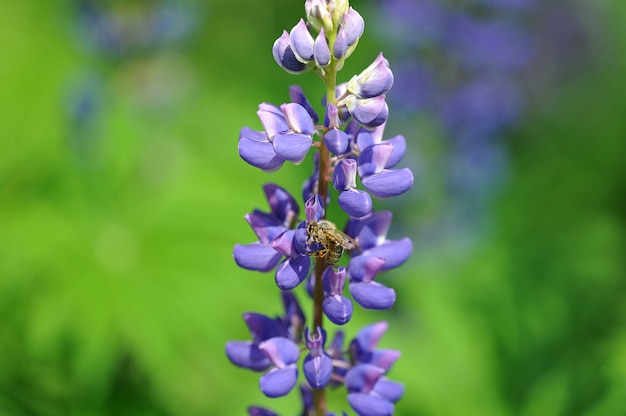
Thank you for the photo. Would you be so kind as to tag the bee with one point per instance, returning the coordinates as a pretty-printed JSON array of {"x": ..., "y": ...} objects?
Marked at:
[{"x": 332, "y": 240}]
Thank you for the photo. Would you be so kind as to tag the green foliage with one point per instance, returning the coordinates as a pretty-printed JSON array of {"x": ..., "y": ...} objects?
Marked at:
[{"x": 117, "y": 286}]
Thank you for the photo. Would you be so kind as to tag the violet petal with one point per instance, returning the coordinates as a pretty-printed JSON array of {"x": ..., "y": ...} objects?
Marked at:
[
  {"x": 355, "y": 202},
  {"x": 338, "y": 309},
  {"x": 395, "y": 252},
  {"x": 245, "y": 354},
  {"x": 292, "y": 146},
  {"x": 279, "y": 381},
  {"x": 317, "y": 370},
  {"x": 256, "y": 256},
  {"x": 260, "y": 154},
  {"x": 301, "y": 42},
  {"x": 389, "y": 183},
  {"x": 373, "y": 295},
  {"x": 370, "y": 405},
  {"x": 291, "y": 272}
]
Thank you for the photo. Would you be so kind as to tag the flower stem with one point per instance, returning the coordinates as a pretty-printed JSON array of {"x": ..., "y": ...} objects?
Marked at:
[{"x": 319, "y": 396}]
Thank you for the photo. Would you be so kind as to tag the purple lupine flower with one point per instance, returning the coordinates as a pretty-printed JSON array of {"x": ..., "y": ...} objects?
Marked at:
[
  {"x": 354, "y": 202},
  {"x": 287, "y": 135},
  {"x": 371, "y": 394},
  {"x": 336, "y": 307},
  {"x": 317, "y": 365},
  {"x": 286, "y": 58},
  {"x": 376, "y": 159},
  {"x": 247, "y": 354},
  {"x": 364, "y": 95},
  {"x": 295, "y": 268},
  {"x": 377, "y": 254},
  {"x": 261, "y": 255},
  {"x": 289, "y": 131},
  {"x": 282, "y": 377},
  {"x": 363, "y": 347}
]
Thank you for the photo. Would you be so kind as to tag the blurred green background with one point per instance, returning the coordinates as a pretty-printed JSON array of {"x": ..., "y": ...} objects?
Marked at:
[{"x": 122, "y": 195}]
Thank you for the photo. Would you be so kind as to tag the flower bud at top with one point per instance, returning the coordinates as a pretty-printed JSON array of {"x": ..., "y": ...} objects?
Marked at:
[
  {"x": 353, "y": 26},
  {"x": 301, "y": 42},
  {"x": 285, "y": 56},
  {"x": 318, "y": 14},
  {"x": 321, "y": 50},
  {"x": 341, "y": 44}
]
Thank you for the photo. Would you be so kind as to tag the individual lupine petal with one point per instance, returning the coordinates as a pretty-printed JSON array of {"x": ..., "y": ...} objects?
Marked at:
[
  {"x": 279, "y": 381},
  {"x": 259, "y": 153},
  {"x": 265, "y": 226},
  {"x": 371, "y": 231},
  {"x": 389, "y": 183},
  {"x": 370, "y": 405},
  {"x": 399, "y": 148},
  {"x": 298, "y": 118},
  {"x": 338, "y": 309},
  {"x": 285, "y": 57},
  {"x": 341, "y": 44},
  {"x": 273, "y": 120},
  {"x": 366, "y": 137},
  {"x": 291, "y": 272},
  {"x": 297, "y": 96},
  {"x": 246, "y": 354},
  {"x": 260, "y": 411},
  {"x": 353, "y": 25},
  {"x": 301, "y": 42},
  {"x": 334, "y": 280},
  {"x": 373, "y": 159},
  {"x": 292, "y": 146},
  {"x": 395, "y": 252},
  {"x": 362, "y": 378},
  {"x": 373, "y": 295},
  {"x": 317, "y": 366},
  {"x": 294, "y": 319},
  {"x": 371, "y": 112},
  {"x": 373, "y": 81},
  {"x": 284, "y": 243},
  {"x": 282, "y": 204},
  {"x": 344, "y": 175},
  {"x": 336, "y": 141},
  {"x": 321, "y": 50},
  {"x": 300, "y": 240},
  {"x": 313, "y": 208},
  {"x": 355, "y": 202},
  {"x": 364, "y": 268},
  {"x": 367, "y": 339},
  {"x": 389, "y": 389},
  {"x": 384, "y": 358},
  {"x": 261, "y": 327},
  {"x": 281, "y": 351},
  {"x": 256, "y": 256},
  {"x": 331, "y": 118}
]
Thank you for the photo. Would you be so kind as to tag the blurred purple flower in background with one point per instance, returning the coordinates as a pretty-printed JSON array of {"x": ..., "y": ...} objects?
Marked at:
[{"x": 472, "y": 68}]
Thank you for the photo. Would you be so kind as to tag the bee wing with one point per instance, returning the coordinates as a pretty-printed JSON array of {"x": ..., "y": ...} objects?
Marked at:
[{"x": 348, "y": 242}]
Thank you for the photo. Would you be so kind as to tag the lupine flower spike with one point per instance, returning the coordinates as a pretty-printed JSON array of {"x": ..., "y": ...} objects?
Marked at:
[{"x": 338, "y": 263}]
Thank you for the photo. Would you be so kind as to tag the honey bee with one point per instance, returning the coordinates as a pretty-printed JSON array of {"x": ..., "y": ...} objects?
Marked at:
[{"x": 332, "y": 240}]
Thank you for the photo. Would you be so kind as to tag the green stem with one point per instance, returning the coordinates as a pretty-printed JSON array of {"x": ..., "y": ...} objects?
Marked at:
[{"x": 319, "y": 396}]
